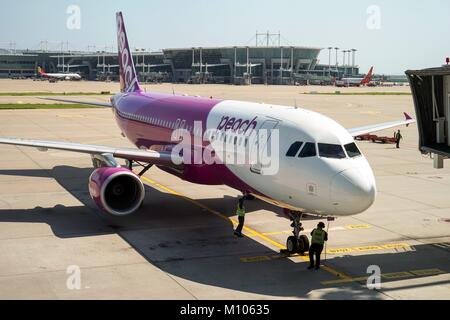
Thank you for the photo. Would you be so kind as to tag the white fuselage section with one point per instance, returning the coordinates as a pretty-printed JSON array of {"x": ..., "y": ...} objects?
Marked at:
[
  {"x": 320, "y": 184},
  {"x": 65, "y": 76}
]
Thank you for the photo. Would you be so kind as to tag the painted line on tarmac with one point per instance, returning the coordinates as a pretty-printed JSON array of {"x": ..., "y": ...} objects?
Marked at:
[
  {"x": 445, "y": 245},
  {"x": 390, "y": 246},
  {"x": 276, "y": 233},
  {"x": 252, "y": 232},
  {"x": 357, "y": 226},
  {"x": 389, "y": 276}
]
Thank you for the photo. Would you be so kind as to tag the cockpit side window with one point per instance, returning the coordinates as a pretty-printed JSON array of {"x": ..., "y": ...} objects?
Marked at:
[
  {"x": 294, "y": 149},
  {"x": 352, "y": 150},
  {"x": 333, "y": 151},
  {"x": 308, "y": 151}
]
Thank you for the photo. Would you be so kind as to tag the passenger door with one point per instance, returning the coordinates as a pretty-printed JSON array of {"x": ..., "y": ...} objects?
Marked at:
[{"x": 268, "y": 125}]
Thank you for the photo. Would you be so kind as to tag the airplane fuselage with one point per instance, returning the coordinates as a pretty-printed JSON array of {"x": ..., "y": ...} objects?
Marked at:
[
  {"x": 323, "y": 184},
  {"x": 62, "y": 76}
]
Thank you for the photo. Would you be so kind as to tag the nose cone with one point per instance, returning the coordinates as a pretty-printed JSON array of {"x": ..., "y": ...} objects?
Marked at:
[{"x": 353, "y": 191}]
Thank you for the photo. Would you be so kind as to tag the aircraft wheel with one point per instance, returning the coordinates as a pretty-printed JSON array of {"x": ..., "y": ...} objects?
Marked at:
[
  {"x": 292, "y": 245},
  {"x": 303, "y": 245}
]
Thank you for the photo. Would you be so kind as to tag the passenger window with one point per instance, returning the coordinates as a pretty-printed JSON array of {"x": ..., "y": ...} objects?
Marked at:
[
  {"x": 308, "y": 151},
  {"x": 294, "y": 149},
  {"x": 333, "y": 151},
  {"x": 352, "y": 150}
]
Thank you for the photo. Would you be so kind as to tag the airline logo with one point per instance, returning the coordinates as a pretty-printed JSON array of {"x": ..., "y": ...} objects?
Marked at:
[
  {"x": 237, "y": 125},
  {"x": 127, "y": 73}
]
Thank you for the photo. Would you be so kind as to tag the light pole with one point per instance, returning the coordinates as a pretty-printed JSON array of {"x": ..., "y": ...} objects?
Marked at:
[
  {"x": 329, "y": 60},
  {"x": 337, "y": 63},
  {"x": 354, "y": 61},
  {"x": 348, "y": 57},
  {"x": 343, "y": 62}
]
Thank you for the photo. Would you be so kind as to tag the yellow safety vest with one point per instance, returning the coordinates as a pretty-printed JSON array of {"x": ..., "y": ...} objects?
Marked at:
[
  {"x": 240, "y": 212},
  {"x": 318, "y": 236}
]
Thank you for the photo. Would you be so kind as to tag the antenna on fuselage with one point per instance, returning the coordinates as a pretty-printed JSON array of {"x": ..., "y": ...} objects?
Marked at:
[
  {"x": 295, "y": 103},
  {"x": 173, "y": 90}
]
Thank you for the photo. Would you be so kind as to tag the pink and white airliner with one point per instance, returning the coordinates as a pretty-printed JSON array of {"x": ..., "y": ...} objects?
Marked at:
[{"x": 320, "y": 169}]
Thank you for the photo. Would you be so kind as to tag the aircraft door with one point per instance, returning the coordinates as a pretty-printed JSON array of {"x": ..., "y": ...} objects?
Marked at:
[{"x": 259, "y": 147}]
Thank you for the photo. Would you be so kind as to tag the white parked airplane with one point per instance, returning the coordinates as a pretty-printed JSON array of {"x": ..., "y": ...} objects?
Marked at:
[
  {"x": 59, "y": 76},
  {"x": 320, "y": 169}
]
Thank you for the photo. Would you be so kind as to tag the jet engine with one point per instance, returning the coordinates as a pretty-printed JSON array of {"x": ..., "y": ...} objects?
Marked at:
[{"x": 118, "y": 191}]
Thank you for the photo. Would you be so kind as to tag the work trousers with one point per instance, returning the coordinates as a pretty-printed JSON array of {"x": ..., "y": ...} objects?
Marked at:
[
  {"x": 315, "y": 249},
  {"x": 241, "y": 220}
]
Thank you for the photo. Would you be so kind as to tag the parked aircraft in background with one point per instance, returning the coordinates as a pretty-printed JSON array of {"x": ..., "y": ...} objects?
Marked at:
[
  {"x": 356, "y": 82},
  {"x": 58, "y": 76}
]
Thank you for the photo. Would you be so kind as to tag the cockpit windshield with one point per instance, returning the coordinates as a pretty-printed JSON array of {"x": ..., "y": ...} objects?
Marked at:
[
  {"x": 333, "y": 151},
  {"x": 352, "y": 150}
]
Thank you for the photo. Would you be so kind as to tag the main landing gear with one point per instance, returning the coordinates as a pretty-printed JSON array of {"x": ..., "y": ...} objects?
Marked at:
[
  {"x": 297, "y": 243},
  {"x": 146, "y": 167}
]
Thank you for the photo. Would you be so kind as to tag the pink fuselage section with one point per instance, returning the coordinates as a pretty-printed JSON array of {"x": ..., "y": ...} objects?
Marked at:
[{"x": 148, "y": 121}]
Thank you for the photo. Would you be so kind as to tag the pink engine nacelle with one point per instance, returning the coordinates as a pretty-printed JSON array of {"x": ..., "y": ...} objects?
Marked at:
[{"x": 118, "y": 191}]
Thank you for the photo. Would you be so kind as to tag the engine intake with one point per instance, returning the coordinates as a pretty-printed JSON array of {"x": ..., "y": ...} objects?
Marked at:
[{"x": 117, "y": 191}]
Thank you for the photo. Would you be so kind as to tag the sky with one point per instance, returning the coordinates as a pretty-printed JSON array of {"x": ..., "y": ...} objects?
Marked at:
[{"x": 392, "y": 35}]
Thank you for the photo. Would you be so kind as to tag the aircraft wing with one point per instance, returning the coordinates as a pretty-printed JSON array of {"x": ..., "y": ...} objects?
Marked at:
[
  {"x": 382, "y": 126},
  {"x": 97, "y": 104},
  {"x": 148, "y": 156}
]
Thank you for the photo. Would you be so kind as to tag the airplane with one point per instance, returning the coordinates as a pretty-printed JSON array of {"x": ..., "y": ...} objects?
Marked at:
[
  {"x": 356, "y": 82},
  {"x": 320, "y": 171},
  {"x": 58, "y": 76}
]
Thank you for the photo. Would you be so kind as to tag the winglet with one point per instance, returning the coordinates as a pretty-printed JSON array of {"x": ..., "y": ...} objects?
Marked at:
[{"x": 407, "y": 116}]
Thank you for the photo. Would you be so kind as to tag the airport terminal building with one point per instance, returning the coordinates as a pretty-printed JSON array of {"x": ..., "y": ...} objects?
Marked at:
[{"x": 232, "y": 65}]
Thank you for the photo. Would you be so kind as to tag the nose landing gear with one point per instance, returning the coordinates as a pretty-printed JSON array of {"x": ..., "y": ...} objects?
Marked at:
[{"x": 297, "y": 243}]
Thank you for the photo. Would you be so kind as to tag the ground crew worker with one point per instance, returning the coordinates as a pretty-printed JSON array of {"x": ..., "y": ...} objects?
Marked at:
[
  {"x": 398, "y": 137},
  {"x": 319, "y": 236},
  {"x": 240, "y": 212}
]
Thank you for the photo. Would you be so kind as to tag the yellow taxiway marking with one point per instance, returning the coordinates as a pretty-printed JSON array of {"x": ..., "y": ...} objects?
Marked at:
[
  {"x": 336, "y": 251},
  {"x": 397, "y": 275},
  {"x": 397, "y": 246},
  {"x": 427, "y": 272},
  {"x": 389, "y": 246},
  {"x": 389, "y": 276},
  {"x": 256, "y": 259},
  {"x": 357, "y": 226},
  {"x": 276, "y": 233},
  {"x": 249, "y": 230}
]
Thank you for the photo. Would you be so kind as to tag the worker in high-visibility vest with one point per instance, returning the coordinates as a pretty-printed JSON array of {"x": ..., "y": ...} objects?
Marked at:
[
  {"x": 398, "y": 138},
  {"x": 319, "y": 236},
  {"x": 240, "y": 212}
]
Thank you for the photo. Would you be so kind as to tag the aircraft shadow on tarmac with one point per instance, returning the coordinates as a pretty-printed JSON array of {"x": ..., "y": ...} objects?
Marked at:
[{"x": 185, "y": 241}]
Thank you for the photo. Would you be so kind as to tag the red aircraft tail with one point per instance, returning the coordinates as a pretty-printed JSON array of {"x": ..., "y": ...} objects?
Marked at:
[
  {"x": 368, "y": 77},
  {"x": 41, "y": 72}
]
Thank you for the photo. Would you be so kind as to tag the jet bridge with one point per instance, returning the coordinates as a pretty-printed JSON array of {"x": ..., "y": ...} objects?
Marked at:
[{"x": 431, "y": 93}]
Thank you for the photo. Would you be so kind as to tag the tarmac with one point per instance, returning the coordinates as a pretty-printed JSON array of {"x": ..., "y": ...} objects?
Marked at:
[{"x": 180, "y": 244}]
